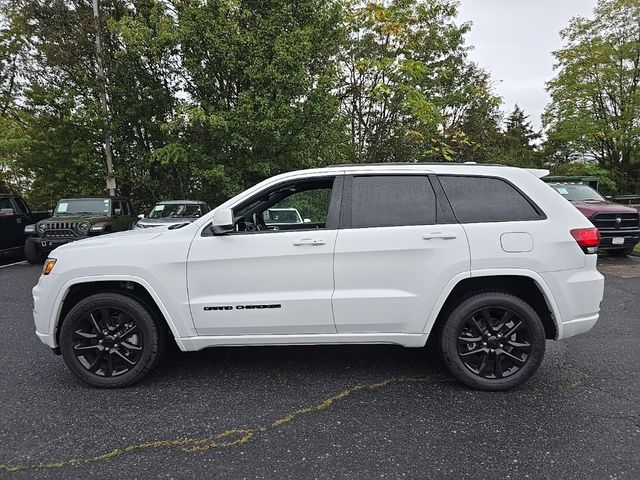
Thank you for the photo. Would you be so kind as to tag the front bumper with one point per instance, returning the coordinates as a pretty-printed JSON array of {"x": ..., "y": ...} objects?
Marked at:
[
  {"x": 47, "y": 245},
  {"x": 630, "y": 239}
]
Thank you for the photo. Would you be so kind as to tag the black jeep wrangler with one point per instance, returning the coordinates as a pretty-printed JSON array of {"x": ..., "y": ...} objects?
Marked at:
[{"x": 75, "y": 219}]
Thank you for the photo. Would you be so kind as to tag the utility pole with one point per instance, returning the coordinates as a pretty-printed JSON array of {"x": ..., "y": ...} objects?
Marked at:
[{"x": 111, "y": 181}]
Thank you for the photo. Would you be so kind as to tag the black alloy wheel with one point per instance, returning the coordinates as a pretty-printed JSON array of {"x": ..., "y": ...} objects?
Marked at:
[
  {"x": 493, "y": 341},
  {"x": 111, "y": 340}
]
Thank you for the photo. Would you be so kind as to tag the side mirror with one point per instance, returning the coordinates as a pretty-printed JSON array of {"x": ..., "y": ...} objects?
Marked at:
[
  {"x": 141, "y": 216},
  {"x": 117, "y": 211},
  {"x": 307, "y": 220},
  {"x": 7, "y": 212},
  {"x": 222, "y": 221}
]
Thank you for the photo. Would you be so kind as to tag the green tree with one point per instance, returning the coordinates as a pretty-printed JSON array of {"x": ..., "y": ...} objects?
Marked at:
[
  {"x": 407, "y": 82},
  {"x": 519, "y": 140},
  {"x": 595, "y": 96}
]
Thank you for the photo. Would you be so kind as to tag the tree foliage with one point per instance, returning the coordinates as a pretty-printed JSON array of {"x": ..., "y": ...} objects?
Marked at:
[{"x": 595, "y": 108}]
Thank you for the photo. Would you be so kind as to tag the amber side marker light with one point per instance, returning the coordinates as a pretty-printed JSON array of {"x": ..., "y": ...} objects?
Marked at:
[{"x": 48, "y": 266}]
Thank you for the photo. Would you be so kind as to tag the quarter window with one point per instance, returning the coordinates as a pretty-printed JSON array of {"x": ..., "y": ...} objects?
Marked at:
[
  {"x": 486, "y": 199},
  {"x": 392, "y": 201}
]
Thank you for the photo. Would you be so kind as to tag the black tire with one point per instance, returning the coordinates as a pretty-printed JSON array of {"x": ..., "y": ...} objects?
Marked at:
[
  {"x": 479, "y": 356},
  {"x": 620, "y": 252},
  {"x": 32, "y": 253},
  {"x": 110, "y": 340}
]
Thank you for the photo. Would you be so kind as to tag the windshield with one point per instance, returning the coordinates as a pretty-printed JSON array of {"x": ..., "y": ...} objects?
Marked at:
[
  {"x": 85, "y": 206},
  {"x": 176, "y": 211},
  {"x": 578, "y": 193}
]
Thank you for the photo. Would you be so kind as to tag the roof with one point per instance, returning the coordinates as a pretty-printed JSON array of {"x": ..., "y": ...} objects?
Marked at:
[
  {"x": 415, "y": 164},
  {"x": 181, "y": 202}
]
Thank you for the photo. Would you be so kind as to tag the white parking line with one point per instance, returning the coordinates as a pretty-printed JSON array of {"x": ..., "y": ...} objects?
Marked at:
[{"x": 23, "y": 262}]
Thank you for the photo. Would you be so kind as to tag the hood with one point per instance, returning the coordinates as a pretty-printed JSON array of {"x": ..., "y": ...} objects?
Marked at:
[
  {"x": 91, "y": 218},
  {"x": 590, "y": 208},
  {"x": 127, "y": 237}
]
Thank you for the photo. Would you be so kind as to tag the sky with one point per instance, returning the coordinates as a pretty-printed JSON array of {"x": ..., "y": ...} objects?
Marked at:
[{"x": 513, "y": 40}]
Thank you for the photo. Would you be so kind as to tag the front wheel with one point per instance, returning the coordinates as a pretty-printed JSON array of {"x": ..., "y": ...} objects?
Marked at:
[
  {"x": 493, "y": 341},
  {"x": 111, "y": 340},
  {"x": 32, "y": 253}
]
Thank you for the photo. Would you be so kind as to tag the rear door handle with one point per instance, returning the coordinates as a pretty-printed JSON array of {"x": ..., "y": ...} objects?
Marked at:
[
  {"x": 443, "y": 236},
  {"x": 309, "y": 241}
]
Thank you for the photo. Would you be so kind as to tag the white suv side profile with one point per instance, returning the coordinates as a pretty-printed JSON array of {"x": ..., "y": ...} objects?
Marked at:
[{"x": 487, "y": 261}]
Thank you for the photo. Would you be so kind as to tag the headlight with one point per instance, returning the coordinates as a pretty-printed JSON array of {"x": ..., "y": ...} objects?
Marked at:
[
  {"x": 42, "y": 227},
  {"x": 48, "y": 266},
  {"x": 30, "y": 228},
  {"x": 83, "y": 227}
]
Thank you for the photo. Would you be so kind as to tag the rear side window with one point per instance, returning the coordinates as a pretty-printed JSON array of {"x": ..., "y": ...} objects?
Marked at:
[
  {"x": 485, "y": 199},
  {"x": 391, "y": 201}
]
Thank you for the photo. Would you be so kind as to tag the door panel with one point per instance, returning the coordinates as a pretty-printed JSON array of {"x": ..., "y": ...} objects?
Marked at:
[
  {"x": 277, "y": 282},
  {"x": 388, "y": 278}
]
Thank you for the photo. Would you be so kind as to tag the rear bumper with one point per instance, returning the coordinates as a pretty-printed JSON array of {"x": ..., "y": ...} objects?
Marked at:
[{"x": 578, "y": 294}]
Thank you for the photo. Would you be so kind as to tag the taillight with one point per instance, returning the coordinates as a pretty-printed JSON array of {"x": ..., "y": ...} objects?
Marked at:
[{"x": 587, "y": 238}]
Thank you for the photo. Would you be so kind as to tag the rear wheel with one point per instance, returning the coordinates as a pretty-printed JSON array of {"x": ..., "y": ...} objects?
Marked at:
[
  {"x": 620, "y": 252},
  {"x": 493, "y": 341},
  {"x": 111, "y": 340},
  {"x": 32, "y": 253}
]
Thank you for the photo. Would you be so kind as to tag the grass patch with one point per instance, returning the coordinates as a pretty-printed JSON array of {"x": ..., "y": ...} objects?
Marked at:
[{"x": 637, "y": 249}]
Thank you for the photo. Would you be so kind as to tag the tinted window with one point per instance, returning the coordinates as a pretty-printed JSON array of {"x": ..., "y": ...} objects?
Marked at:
[
  {"x": 388, "y": 201},
  {"x": 484, "y": 199}
]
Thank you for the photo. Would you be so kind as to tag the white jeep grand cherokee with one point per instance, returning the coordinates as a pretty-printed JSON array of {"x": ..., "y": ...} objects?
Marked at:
[{"x": 488, "y": 261}]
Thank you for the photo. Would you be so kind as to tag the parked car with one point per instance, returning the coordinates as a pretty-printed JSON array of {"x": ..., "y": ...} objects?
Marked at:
[
  {"x": 619, "y": 226},
  {"x": 173, "y": 212},
  {"x": 282, "y": 216},
  {"x": 488, "y": 261},
  {"x": 75, "y": 219},
  {"x": 15, "y": 214}
]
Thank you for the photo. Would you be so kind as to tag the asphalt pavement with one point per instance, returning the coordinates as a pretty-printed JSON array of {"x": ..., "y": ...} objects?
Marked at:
[{"x": 325, "y": 412}]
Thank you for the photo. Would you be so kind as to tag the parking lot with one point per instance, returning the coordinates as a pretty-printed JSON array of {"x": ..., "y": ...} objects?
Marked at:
[{"x": 323, "y": 412}]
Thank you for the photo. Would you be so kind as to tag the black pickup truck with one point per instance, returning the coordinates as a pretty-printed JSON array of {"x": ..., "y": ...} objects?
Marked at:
[{"x": 15, "y": 214}]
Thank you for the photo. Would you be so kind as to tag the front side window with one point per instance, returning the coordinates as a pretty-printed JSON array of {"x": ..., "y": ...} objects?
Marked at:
[
  {"x": 293, "y": 206},
  {"x": 486, "y": 199},
  {"x": 391, "y": 201}
]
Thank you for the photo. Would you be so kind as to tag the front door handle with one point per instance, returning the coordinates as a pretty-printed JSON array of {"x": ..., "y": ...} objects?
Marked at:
[
  {"x": 309, "y": 241},
  {"x": 443, "y": 236}
]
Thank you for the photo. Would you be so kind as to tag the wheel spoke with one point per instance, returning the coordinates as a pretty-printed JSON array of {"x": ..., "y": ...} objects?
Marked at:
[
  {"x": 95, "y": 323},
  {"x": 129, "y": 332},
  {"x": 109, "y": 368},
  {"x": 95, "y": 365},
  {"x": 124, "y": 358},
  {"x": 514, "y": 329},
  {"x": 470, "y": 339},
  {"x": 473, "y": 352},
  {"x": 82, "y": 334},
  {"x": 481, "y": 330},
  {"x": 518, "y": 360},
  {"x": 130, "y": 346},
  {"x": 504, "y": 319},
  {"x": 87, "y": 347},
  {"x": 518, "y": 344},
  {"x": 497, "y": 367},
  {"x": 483, "y": 363}
]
